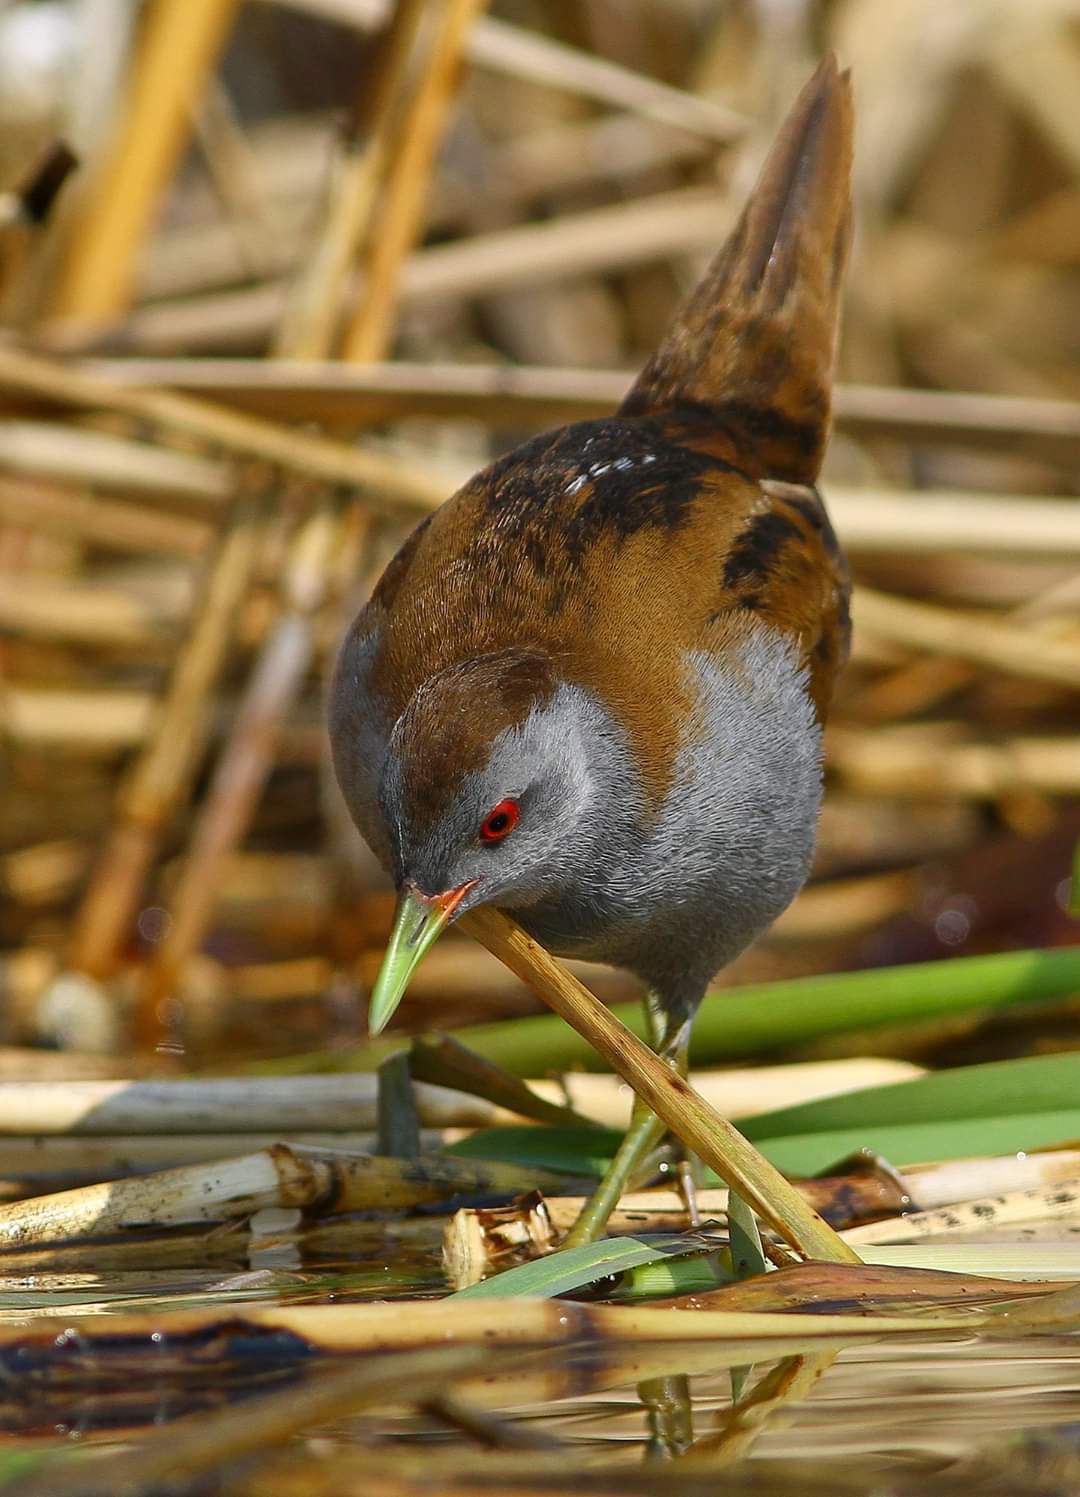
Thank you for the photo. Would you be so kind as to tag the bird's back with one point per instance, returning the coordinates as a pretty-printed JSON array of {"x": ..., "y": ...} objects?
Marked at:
[{"x": 617, "y": 547}]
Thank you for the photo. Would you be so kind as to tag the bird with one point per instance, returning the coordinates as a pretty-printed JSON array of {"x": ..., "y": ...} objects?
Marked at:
[{"x": 590, "y": 689}]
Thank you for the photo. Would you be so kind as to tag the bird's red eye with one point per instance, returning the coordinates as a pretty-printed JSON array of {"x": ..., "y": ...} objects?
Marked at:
[{"x": 500, "y": 821}]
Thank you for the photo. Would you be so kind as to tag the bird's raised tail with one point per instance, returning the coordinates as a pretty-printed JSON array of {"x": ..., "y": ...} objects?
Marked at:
[{"x": 753, "y": 350}]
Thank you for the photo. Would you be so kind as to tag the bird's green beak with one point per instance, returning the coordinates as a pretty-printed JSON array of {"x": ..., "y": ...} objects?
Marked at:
[{"x": 418, "y": 922}]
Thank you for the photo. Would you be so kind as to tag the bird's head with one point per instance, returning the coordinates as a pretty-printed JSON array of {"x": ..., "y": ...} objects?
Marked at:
[{"x": 495, "y": 787}]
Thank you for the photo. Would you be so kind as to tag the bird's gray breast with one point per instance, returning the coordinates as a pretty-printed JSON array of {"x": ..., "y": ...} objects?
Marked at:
[{"x": 688, "y": 890}]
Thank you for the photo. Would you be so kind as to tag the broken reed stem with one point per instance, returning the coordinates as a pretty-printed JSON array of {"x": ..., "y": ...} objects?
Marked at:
[
  {"x": 388, "y": 482},
  {"x": 177, "y": 50},
  {"x": 318, "y": 293},
  {"x": 671, "y": 1098},
  {"x": 243, "y": 765},
  {"x": 407, "y": 180},
  {"x": 162, "y": 773},
  {"x": 281, "y": 1176}
]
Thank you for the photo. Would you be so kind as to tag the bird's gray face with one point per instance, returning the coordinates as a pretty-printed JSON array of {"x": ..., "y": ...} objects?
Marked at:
[{"x": 523, "y": 827}]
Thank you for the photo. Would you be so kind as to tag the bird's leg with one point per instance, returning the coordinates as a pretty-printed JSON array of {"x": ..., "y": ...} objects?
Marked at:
[
  {"x": 673, "y": 1040},
  {"x": 641, "y": 1138},
  {"x": 689, "y": 1169}
]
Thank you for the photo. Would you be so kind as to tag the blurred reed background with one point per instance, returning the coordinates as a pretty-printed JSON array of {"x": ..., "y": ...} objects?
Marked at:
[{"x": 321, "y": 259}]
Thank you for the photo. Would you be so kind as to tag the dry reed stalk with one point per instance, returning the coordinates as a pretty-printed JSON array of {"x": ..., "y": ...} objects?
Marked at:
[
  {"x": 204, "y": 257},
  {"x": 388, "y": 482},
  {"x": 985, "y": 642},
  {"x": 1058, "y": 1202},
  {"x": 317, "y": 295},
  {"x": 671, "y": 1098},
  {"x": 845, "y": 906},
  {"x": 871, "y": 520},
  {"x": 232, "y": 170},
  {"x": 144, "y": 1252},
  {"x": 500, "y": 45},
  {"x": 519, "y": 53},
  {"x": 25, "y": 1062},
  {"x": 243, "y": 765},
  {"x": 906, "y": 762},
  {"x": 1050, "y": 428},
  {"x": 82, "y": 723},
  {"x": 88, "y": 614},
  {"x": 161, "y": 775},
  {"x": 72, "y": 455},
  {"x": 176, "y": 52},
  {"x": 938, "y": 1191},
  {"x": 563, "y": 157},
  {"x": 921, "y": 685},
  {"x": 43, "y": 872},
  {"x": 440, "y": 1059},
  {"x": 913, "y": 688},
  {"x": 934, "y": 1185},
  {"x": 307, "y": 331},
  {"x": 375, "y": 393},
  {"x": 614, "y": 238},
  {"x": 247, "y": 758},
  {"x": 272, "y": 982},
  {"x": 537, "y": 395},
  {"x": 25, "y": 209},
  {"x": 281, "y": 1176},
  {"x": 85, "y": 516},
  {"x": 506, "y": 48},
  {"x": 734, "y": 1093},
  {"x": 108, "y": 1156},
  {"x": 408, "y": 163},
  {"x": 260, "y": 1104}
]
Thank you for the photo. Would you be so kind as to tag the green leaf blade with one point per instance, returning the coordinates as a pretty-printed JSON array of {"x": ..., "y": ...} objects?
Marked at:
[{"x": 572, "y": 1268}]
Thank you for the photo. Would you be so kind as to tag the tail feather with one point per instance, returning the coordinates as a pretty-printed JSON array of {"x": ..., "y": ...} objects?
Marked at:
[{"x": 754, "y": 348}]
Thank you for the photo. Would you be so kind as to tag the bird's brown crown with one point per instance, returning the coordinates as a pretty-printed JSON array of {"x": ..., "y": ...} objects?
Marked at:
[{"x": 447, "y": 729}]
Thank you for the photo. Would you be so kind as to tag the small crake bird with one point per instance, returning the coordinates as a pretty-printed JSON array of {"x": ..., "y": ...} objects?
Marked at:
[{"x": 590, "y": 689}]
